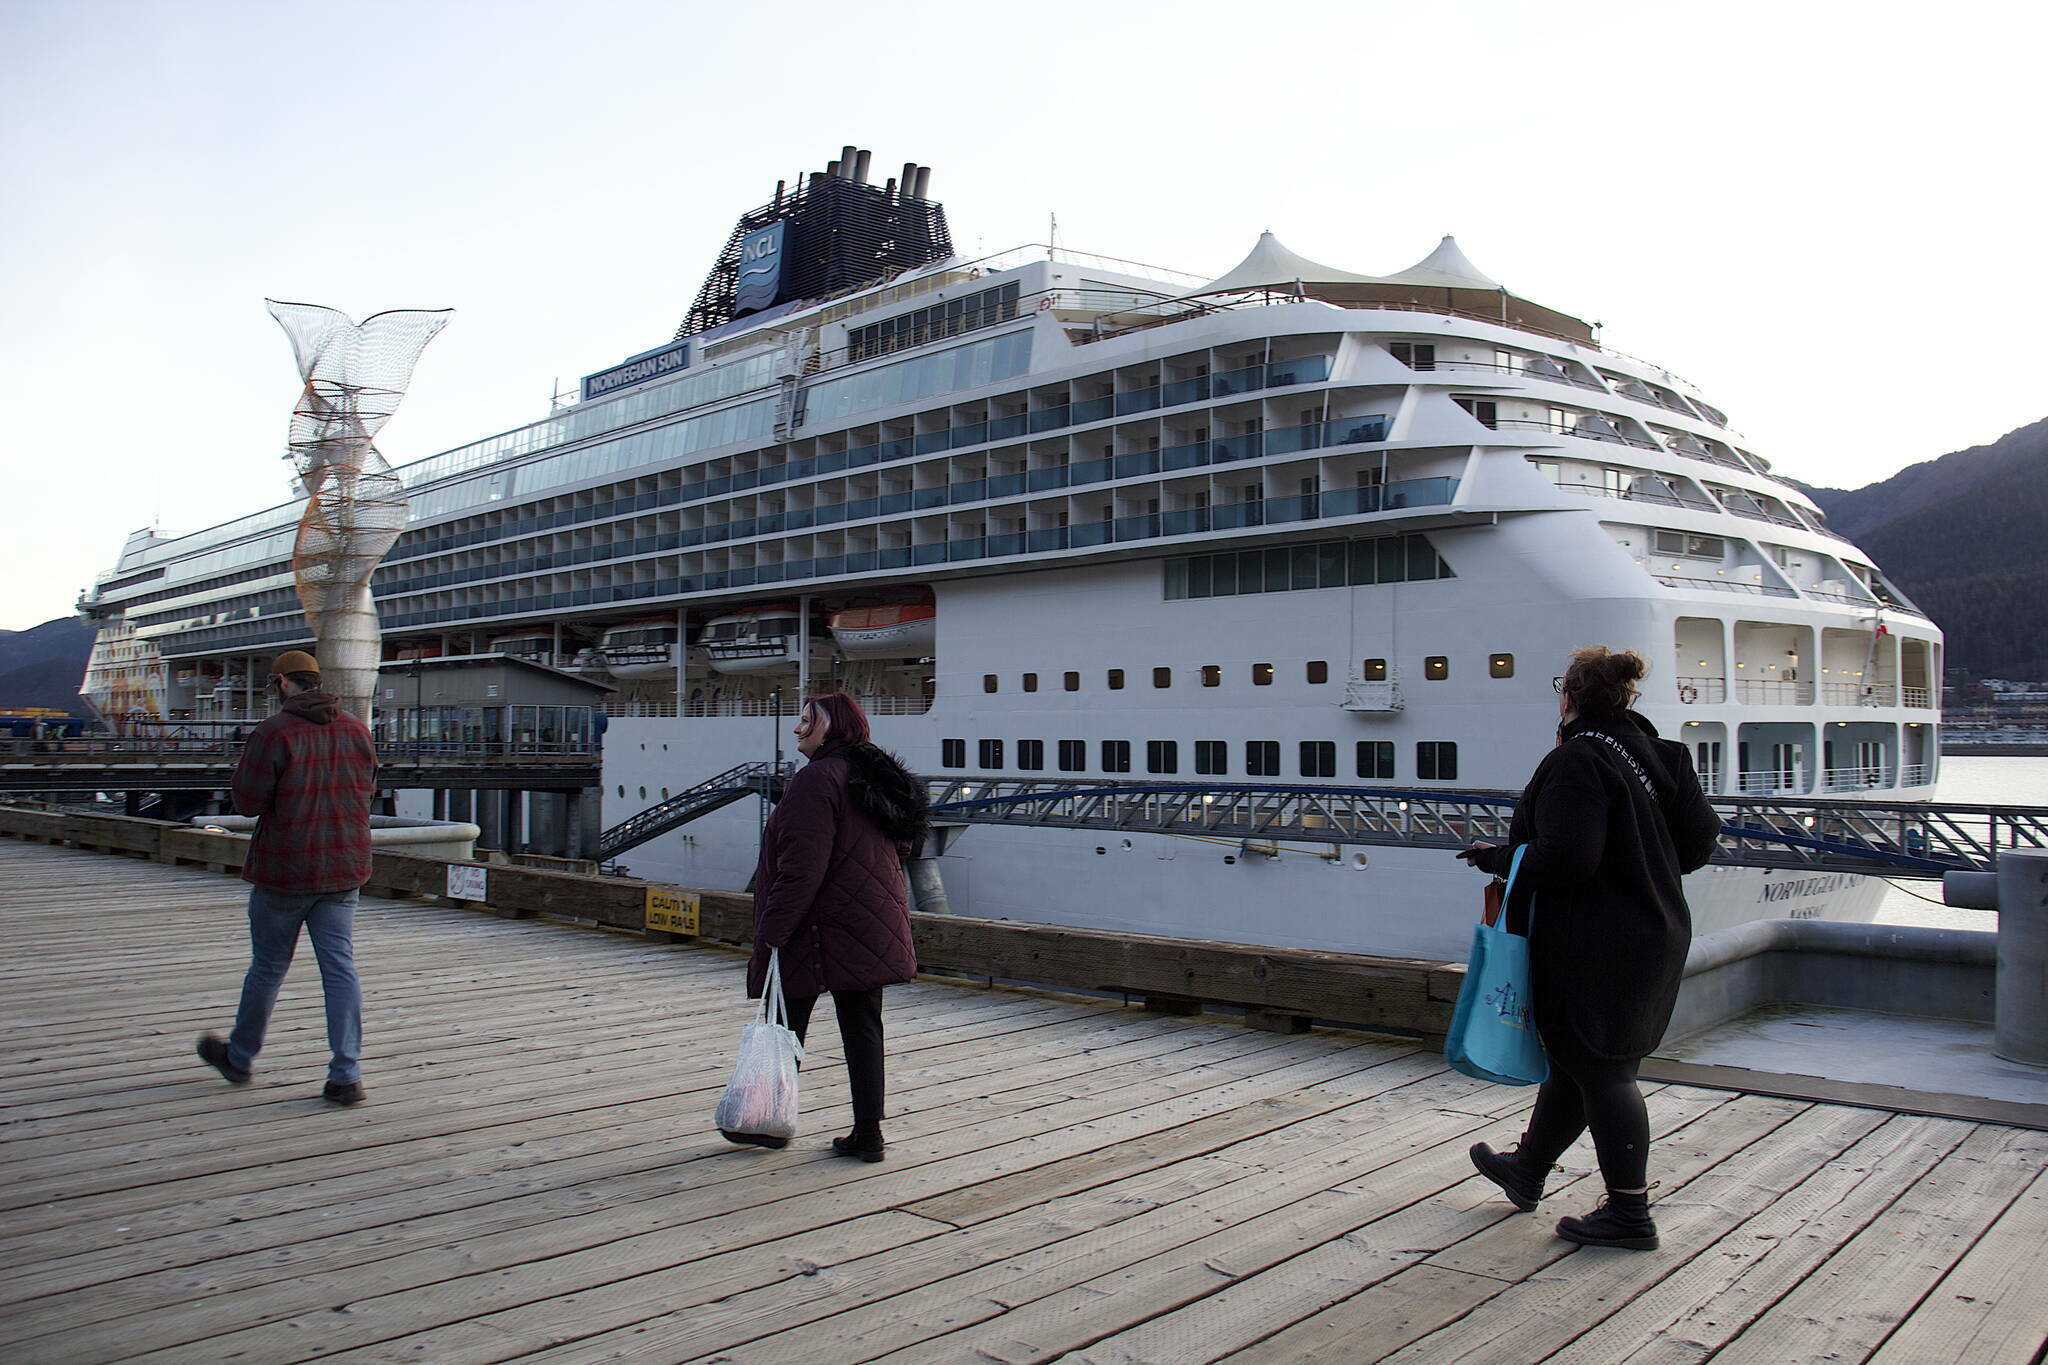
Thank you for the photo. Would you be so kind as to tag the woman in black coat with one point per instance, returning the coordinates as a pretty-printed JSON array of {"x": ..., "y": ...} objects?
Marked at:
[
  {"x": 1611, "y": 820},
  {"x": 829, "y": 893}
]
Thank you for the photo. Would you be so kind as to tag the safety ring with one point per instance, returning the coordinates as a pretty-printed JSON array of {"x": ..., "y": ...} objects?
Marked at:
[{"x": 1688, "y": 694}]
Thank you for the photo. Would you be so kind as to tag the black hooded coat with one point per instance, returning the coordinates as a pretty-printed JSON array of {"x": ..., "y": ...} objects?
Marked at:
[
  {"x": 829, "y": 891},
  {"x": 1610, "y": 926}
]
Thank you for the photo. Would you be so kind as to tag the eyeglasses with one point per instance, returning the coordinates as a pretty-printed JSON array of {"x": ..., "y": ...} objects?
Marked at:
[{"x": 1557, "y": 686}]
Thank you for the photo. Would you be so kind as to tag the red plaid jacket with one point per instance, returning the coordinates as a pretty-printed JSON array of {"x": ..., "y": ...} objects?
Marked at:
[{"x": 308, "y": 774}]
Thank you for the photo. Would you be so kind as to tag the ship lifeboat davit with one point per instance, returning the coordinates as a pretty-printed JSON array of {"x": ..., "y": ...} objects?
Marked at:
[
  {"x": 641, "y": 648},
  {"x": 899, "y": 631},
  {"x": 538, "y": 645},
  {"x": 760, "y": 640}
]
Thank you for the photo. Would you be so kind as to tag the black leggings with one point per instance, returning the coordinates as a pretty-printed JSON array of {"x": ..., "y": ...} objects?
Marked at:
[
  {"x": 860, "y": 1035},
  {"x": 1602, "y": 1096}
]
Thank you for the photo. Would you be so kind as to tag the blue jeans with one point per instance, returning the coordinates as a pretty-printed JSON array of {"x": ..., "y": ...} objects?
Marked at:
[{"x": 274, "y": 920}]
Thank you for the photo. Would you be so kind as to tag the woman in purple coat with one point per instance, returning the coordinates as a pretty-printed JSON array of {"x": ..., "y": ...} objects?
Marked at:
[{"x": 830, "y": 894}]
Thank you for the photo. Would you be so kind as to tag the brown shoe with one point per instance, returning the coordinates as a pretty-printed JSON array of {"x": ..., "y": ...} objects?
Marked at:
[
  {"x": 865, "y": 1142},
  {"x": 214, "y": 1052},
  {"x": 335, "y": 1093}
]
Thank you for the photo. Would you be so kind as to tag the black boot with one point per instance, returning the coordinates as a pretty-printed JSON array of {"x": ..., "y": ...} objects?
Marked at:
[
  {"x": 1519, "y": 1178},
  {"x": 865, "y": 1142},
  {"x": 1622, "y": 1220}
]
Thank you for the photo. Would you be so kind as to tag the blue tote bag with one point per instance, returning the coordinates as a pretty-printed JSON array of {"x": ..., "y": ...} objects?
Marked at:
[{"x": 1493, "y": 1035}]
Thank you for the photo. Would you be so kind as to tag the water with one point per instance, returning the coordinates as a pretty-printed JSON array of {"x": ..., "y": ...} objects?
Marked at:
[{"x": 1971, "y": 781}]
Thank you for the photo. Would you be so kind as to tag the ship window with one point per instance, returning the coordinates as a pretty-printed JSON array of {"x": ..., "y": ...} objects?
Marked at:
[
  {"x": 1073, "y": 755},
  {"x": 1030, "y": 682},
  {"x": 1436, "y": 668},
  {"x": 952, "y": 753},
  {"x": 1375, "y": 758},
  {"x": 1262, "y": 758},
  {"x": 1212, "y": 675},
  {"x": 1415, "y": 355},
  {"x": 1212, "y": 756},
  {"x": 1116, "y": 755},
  {"x": 1318, "y": 670},
  {"x": 1031, "y": 754},
  {"x": 1375, "y": 670},
  {"x": 1262, "y": 675},
  {"x": 1073, "y": 682},
  {"x": 990, "y": 753},
  {"x": 1500, "y": 666},
  {"x": 1436, "y": 761},
  {"x": 1162, "y": 756},
  {"x": 1162, "y": 677},
  {"x": 1116, "y": 680},
  {"x": 1318, "y": 758},
  {"x": 988, "y": 682}
]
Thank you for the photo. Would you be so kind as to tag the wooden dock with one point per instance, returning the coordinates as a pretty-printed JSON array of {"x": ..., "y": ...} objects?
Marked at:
[{"x": 535, "y": 1177}]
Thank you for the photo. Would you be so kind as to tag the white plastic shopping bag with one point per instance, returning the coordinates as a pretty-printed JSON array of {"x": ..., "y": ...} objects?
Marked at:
[{"x": 760, "y": 1099}]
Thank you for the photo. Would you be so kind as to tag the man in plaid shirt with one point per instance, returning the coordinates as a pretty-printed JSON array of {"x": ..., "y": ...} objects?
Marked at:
[{"x": 308, "y": 774}]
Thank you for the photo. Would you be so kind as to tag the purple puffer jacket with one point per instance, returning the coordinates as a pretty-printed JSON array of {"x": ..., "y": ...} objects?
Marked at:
[{"x": 829, "y": 891}]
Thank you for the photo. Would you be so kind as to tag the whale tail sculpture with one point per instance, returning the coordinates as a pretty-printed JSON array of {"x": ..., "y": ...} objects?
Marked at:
[{"x": 355, "y": 374}]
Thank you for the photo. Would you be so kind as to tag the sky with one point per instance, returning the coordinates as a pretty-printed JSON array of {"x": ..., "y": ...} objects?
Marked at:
[{"x": 1826, "y": 216}]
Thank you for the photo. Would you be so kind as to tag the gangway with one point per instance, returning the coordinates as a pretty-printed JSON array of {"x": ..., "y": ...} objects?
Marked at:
[
  {"x": 713, "y": 793},
  {"x": 1899, "y": 839}
]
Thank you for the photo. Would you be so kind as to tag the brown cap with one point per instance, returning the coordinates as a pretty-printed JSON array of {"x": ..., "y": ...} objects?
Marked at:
[{"x": 295, "y": 661}]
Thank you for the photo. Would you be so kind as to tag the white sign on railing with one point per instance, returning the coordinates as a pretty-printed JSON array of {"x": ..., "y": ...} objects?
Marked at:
[{"x": 468, "y": 882}]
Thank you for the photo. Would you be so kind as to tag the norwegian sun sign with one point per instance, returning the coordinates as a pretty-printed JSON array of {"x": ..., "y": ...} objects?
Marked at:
[{"x": 654, "y": 364}]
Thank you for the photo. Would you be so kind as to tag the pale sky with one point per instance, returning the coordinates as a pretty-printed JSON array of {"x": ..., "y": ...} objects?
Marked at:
[{"x": 1827, "y": 216}]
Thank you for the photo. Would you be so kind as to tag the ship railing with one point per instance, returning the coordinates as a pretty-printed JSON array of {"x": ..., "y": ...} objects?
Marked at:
[
  {"x": 1853, "y": 779},
  {"x": 1514, "y": 371},
  {"x": 1593, "y": 490},
  {"x": 1699, "y": 450},
  {"x": 1621, "y": 438},
  {"x": 1771, "y": 782},
  {"x": 1847, "y": 599},
  {"x": 1773, "y": 692},
  {"x": 1722, "y": 585},
  {"x": 1858, "y": 694},
  {"x": 786, "y": 705},
  {"x": 1910, "y": 839},
  {"x": 1759, "y": 514},
  {"x": 1700, "y": 690},
  {"x": 1916, "y": 775}
]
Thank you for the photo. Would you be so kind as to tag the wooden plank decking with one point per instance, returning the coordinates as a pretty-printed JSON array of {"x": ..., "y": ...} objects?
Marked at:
[{"x": 535, "y": 1177}]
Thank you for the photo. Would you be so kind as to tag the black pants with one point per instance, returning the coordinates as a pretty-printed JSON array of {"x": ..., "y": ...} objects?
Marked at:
[
  {"x": 1603, "y": 1096},
  {"x": 860, "y": 1035}
]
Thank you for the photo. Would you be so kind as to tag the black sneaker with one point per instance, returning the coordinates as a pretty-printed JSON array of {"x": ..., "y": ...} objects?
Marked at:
[
  {"x": 1523, "y": 1188},
  {"x": 1622, "y": 1220},
  {"x": 214, "y": 1052},
  {"x": 334, "y": 1092},
  {"x": 864, "y": 1143},
  {"x": 773, "y": 1144}
]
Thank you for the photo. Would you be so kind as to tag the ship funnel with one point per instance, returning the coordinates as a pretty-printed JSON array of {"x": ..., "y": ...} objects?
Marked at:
[
  {"x": 845, "y": 162},
  {"x": 924, "y": 181},
  {"x": 909, "y": 180},
  {"x": 860, "y": 165}
]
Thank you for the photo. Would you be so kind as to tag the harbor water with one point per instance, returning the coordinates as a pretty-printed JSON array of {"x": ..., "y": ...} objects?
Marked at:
[{"x": 1987, "y": 781}]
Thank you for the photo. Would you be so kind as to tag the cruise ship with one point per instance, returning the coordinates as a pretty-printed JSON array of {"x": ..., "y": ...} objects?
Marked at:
[{"x": 1049, "y": 514}]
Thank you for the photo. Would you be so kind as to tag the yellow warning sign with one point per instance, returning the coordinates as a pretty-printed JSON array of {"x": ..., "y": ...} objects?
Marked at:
[{"x": 672, "y": 911}]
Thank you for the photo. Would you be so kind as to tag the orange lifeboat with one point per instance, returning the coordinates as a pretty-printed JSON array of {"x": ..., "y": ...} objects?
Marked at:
[{"x": 900, "y": 630}]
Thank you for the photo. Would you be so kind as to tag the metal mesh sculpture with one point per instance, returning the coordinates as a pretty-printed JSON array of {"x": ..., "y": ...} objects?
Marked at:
[{"x": 355, "y": 375}]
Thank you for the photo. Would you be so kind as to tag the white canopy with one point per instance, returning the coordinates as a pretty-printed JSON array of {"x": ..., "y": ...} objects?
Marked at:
[
  {"x": 1441, "y": 281},
  {"x": 1273, "y": 266},
  {"x": 1445, "y": 268}
]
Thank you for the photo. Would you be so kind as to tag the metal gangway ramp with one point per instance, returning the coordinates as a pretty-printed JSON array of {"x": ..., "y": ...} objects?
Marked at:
[
  {"x": 1895, "y": 839},
  {"x": 713, "y": 793}
]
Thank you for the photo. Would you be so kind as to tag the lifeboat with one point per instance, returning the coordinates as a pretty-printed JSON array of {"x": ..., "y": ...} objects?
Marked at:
[
  {"x": 644, "y": 647},
  {"x": 536, "y": 645},
  {"x": 759, "y": 640},
  {"x": 899, "y": 631}
]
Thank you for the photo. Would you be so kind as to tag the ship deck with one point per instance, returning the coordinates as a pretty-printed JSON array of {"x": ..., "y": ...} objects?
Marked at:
[{"x": 535, "y": 1176}]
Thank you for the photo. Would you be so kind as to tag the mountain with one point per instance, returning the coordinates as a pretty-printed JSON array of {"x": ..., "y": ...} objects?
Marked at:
[
  {"x": 44, "y": 665},
  {"x": 1963, "y": 535}
]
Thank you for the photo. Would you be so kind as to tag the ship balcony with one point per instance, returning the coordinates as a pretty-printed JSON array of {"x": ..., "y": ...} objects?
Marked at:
[
  {"x": 1588, "y": 430},
  {"x": 1549, "y": 371},
  {"x": 1771, "y": 782},
  {"x": 1735, "y": 585},
  {"x": 1916, "y": 775}
]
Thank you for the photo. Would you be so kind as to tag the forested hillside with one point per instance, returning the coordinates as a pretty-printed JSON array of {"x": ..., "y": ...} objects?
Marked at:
[
  {"x": 44, "y": 665},
  {"x": 1966, "y": 536}
]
